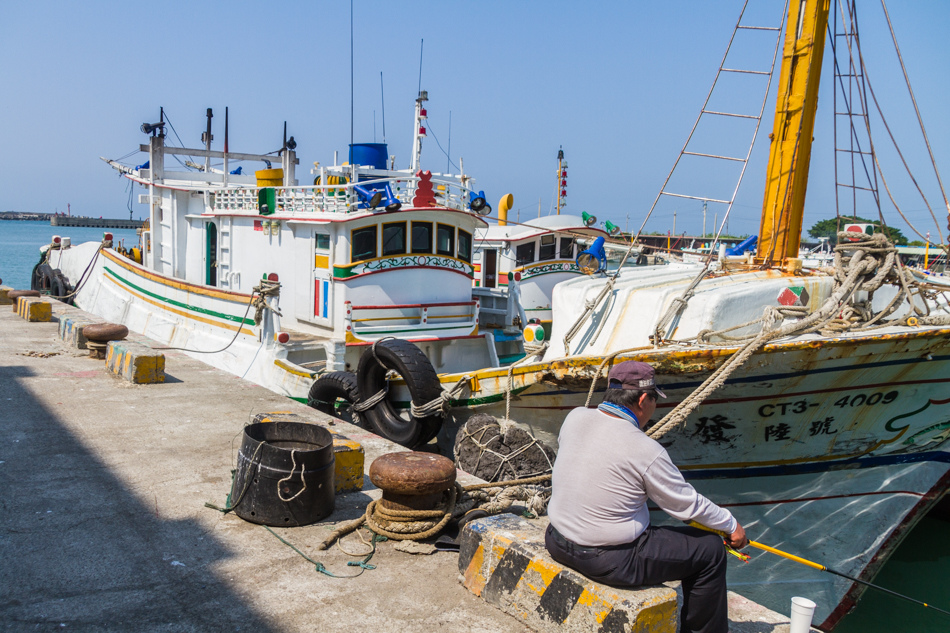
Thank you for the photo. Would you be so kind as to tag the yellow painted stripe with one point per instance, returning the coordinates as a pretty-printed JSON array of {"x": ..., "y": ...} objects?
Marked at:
[
  {"x": 187, "y": 315},
  {"x": 290, "y": 370},
  {"x": 321, "y": 261},
  {"x": 237, "y": 297}
]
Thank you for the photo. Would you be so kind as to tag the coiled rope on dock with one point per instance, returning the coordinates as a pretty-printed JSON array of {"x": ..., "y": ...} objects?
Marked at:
[{"x": 415, "y": 525}]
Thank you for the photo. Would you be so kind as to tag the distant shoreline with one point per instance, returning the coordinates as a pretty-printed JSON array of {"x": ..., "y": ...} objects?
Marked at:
[
  {"x": 25, "y": 217},
  {"x": 56, "y": 219}
]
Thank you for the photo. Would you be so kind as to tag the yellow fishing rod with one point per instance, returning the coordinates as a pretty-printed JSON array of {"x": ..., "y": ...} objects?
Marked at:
[{"x": 813, "y": 565}]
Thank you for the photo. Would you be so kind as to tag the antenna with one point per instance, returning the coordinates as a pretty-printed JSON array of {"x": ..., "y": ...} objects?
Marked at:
[
  {"x": 351, "y": 74},
  {"x": 382, "y": 98},
  {"x": 421, "y": 44},
  {"x": 448, "y": 154}
]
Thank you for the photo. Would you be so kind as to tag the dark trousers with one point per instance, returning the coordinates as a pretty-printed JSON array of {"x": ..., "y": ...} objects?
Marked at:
[{"x": 660, "y": 554}]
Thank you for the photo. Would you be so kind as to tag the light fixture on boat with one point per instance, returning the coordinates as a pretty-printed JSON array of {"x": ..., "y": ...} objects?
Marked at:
[
  {"x": 392, "y": 202},
  {"x": 589, "y": 220},
  {"x": 368, "y": 197},
  {"x": 152, "y": 128},
  {"x": 612, "y": 229},
  {"x": 479, "y": 204},
  {"x": 594, "y": 259}
]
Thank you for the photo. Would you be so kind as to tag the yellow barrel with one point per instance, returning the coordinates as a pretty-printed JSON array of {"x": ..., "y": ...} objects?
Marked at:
[{"x": 270, "y": 177}]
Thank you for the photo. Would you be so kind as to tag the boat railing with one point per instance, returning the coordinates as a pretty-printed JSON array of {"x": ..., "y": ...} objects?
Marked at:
[
  {"x": 399, "y": 319},
  {"x": 340, "y": 197}
]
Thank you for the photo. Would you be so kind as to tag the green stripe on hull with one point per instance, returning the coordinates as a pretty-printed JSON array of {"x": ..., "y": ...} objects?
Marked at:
[{"x": 178, "y": 304}]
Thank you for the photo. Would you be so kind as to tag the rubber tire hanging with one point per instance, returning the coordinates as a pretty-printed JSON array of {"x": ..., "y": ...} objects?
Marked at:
[
  {"x": 414, "y": 368},
  {"x": 331, "y": 387}
]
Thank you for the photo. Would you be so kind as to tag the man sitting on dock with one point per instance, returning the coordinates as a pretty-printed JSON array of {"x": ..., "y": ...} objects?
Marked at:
[{"x": 606, "y": 468}]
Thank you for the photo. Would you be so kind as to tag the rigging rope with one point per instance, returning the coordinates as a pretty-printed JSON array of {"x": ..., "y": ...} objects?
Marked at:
[{"x": 863, "y": 265}]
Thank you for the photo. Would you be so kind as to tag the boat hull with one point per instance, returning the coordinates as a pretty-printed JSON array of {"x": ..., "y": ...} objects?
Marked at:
[{"x": 827, "y": 448}]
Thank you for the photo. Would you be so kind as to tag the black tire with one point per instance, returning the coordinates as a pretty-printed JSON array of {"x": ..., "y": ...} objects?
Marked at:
[
  {"x": 42, "y": 276},
  {"x": 412, "y": 365},
  {"x": 329, "y": 388}
]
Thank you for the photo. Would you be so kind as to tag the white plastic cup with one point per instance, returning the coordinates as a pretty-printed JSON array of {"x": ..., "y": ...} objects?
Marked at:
[{"x": 803, "y": 610}]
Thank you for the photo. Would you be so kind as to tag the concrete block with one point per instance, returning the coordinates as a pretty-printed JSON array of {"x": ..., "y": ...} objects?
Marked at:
[
  {"x": 70, "y": 331},
  {"x": 503, "y": 560},
  {"x": 135, "y": 362},
  {"x": 34, "y": 309},
  {"x": 5, "y": 299},
  {"x": 350, "y": 458}
]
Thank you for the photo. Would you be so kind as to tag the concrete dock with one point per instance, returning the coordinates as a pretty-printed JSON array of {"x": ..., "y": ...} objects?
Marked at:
[{"x": 103, "y": 485}]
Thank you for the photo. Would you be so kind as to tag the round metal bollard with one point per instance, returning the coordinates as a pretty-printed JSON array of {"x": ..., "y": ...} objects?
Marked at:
[{"x": 412, "y": 480}]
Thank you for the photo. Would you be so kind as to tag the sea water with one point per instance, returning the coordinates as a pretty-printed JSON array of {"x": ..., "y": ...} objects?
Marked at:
[
  {"x": 20, "y": 244},
  {"x": 920, "y": 568}
]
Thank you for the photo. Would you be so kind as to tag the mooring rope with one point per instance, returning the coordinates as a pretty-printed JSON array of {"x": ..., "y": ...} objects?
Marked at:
[
  {"x": 864, "y": 264},
  {"x": 415, "y": 525}
]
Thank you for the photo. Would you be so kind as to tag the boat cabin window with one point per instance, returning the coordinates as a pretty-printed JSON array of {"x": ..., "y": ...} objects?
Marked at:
[
  {"x": 323, "y": 242},
  {"x": 548, "y": 247},
  {"x": 394, "y": 238},
  {"x": 567, "y": 248},
  {"x": 363, "y": 244},
  {"x": 445, "y": 240},
  {"x": 524, "y": 254},
  {"x": 465, "y": 246},
  {"x": 422, "y": 237}
]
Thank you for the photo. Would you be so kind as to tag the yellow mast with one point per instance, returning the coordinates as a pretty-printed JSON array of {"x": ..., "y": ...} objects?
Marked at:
[{"x": 791, "y": 137}]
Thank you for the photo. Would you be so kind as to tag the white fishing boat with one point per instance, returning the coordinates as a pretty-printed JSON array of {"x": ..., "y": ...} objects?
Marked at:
[
  {"x": 528, "y": 259},
  {"x": 280, "y": 283},
  {"x": 813, "y": 404}
]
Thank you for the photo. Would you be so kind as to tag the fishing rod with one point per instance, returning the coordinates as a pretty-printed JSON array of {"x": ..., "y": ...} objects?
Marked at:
[{"x": 814, "y": 565}]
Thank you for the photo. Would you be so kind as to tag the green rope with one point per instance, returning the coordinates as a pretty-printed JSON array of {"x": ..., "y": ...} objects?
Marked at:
[{"x": 318, "y": 566}]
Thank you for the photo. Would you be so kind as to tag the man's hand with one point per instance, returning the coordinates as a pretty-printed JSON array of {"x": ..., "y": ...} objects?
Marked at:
[{"x": 738, "y": 539}]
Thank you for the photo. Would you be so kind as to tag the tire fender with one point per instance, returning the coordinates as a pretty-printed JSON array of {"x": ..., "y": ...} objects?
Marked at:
[
  {"x": 330, "y": 387},
  {"x": 414, "y": 368}
]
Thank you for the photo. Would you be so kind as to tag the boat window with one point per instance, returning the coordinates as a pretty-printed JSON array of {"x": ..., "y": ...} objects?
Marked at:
[
  {"x": 465, "y": 246},
  {"x": 363, "y": 244},
  {"x": 548, "y": 247},
  {"x": 567, "y": 248},
  {"x": 524, "y": 254},
  {"x": 422, "y": 237},
  {"x": 323, "y": 242},
  {"x": 445, "y": 240},
  {"x": 394, "y": 238}
]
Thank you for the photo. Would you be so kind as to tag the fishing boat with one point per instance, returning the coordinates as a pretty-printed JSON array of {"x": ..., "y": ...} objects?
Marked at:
[
  {"x": 810, "y": 402},
  {"x": 528, "y": 260},
  {"x": 286, "y": 284}
]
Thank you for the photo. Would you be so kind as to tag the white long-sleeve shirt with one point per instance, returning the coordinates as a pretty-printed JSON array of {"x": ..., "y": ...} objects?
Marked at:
[{"x": 605, "y": 470}]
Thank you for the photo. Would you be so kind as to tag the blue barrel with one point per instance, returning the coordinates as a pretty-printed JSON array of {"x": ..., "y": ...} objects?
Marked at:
[{"x": 372, "y": 154}]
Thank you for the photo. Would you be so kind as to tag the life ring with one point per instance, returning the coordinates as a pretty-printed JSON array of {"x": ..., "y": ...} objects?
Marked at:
[
  {"x": 327, "y": 390},
  {"x": 411, "y": 364}
]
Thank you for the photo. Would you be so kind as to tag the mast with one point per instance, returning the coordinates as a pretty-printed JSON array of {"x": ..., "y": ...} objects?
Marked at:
[
  {"x": 561, "y": 180},
  {"x": 419, "y": 132},
  {"x": 791, "y": 137}
]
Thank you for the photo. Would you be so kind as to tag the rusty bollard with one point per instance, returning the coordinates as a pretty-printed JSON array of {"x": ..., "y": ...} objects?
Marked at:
[
  {"x": 98, "y": 336},
  {"x": 15, "y": 295},
  {"x": 412, "y": 480}
]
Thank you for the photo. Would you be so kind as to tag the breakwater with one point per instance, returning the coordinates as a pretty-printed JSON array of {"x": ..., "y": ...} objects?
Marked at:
[{"x": 102, "y": 223}]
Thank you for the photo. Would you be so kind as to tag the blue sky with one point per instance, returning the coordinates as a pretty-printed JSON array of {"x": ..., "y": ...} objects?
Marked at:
[{"x": 618, "y": 86}]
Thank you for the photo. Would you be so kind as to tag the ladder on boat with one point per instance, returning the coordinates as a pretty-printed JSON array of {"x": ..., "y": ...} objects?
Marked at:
[
  {"x": 855, "y": 172},
  {"x": 227, "y": 278},
  {"x": 702, "y": 162}
]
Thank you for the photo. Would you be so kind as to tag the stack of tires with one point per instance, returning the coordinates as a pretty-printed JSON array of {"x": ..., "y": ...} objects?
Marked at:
[
  {"x": 51, "y": 281},
  {"x": 401, "y": 357}
]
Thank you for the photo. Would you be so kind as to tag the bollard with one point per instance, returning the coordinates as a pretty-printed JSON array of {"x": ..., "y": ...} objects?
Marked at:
[{"x": 803, "y": 610}]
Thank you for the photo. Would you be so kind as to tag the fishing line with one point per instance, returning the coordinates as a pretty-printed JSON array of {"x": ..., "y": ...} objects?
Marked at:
[{"x": 820, "y": 567}]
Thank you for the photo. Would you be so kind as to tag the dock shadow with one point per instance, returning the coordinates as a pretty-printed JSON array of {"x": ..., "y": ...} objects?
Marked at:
[{"x": 80, "y": 550}]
